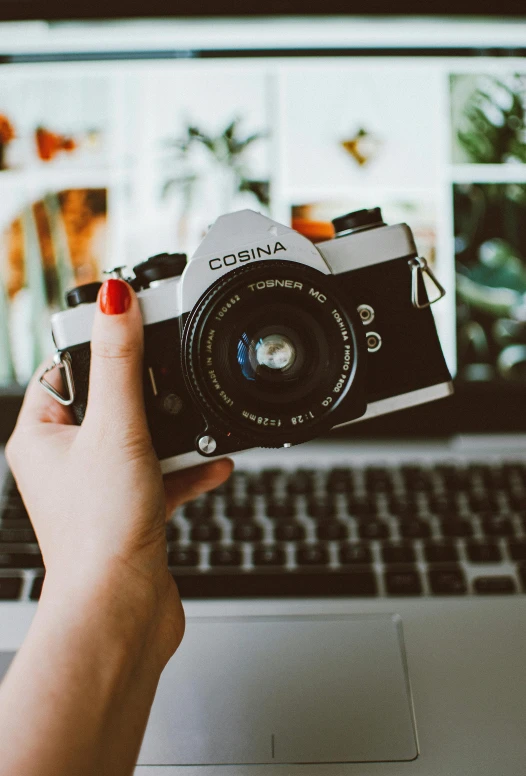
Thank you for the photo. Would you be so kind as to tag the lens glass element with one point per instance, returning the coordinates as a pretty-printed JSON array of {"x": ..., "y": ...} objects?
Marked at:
[
  {"x": 275, "y": 351},
  {"x": 272, "y": 353}
]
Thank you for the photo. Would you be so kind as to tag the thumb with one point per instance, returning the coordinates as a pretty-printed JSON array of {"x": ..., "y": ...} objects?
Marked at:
[{"x": 115, "y": 398}]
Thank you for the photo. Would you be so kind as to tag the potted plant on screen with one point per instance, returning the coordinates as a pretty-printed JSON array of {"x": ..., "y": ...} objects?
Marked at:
[{"x": 196, "y": 158}]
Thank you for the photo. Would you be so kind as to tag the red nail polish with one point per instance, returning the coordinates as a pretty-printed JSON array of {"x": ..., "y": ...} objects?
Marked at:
[{"x": 114, "y": 297}]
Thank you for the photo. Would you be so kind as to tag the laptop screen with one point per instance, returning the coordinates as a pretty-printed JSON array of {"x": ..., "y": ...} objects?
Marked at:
[{"x": 121, "y": 141}]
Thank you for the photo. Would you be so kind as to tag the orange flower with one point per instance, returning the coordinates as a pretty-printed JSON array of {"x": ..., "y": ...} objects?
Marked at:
[
  {"x": 7, "y": 131},
  {"x": 49, "y": 143}
]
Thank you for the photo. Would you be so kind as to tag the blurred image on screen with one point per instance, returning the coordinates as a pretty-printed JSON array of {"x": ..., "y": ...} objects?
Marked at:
[{"x": 105, "y": 163}]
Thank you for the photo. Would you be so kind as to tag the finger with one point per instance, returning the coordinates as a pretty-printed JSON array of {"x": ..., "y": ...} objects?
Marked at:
[
  {"x": 38, "y": 406},
  {"x": 189, "y": 484},
  {"x": 115, "y": 397}
]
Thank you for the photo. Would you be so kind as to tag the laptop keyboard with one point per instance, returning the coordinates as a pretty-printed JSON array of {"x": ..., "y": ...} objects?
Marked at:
[{"x": 408, "y": 530}]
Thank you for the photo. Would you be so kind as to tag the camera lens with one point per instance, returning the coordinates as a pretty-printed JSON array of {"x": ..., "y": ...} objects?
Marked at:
[{"x": 270, "y": 351}]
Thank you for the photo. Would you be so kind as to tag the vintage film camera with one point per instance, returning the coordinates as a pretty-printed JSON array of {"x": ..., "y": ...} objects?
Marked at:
[{"x": 264, "y": 339}]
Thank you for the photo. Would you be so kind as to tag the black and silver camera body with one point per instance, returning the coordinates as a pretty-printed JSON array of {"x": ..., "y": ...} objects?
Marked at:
[{"x": 265, "y": 340}]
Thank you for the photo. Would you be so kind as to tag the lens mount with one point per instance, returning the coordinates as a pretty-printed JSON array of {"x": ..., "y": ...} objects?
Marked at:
[{"x": 270, "y": 351}]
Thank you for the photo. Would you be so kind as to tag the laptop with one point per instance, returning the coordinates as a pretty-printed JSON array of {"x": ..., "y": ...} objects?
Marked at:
[{"x": 356, "y": 604}]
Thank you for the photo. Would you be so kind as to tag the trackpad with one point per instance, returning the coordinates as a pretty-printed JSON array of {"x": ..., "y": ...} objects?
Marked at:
[{"x": 284, "y": 690}]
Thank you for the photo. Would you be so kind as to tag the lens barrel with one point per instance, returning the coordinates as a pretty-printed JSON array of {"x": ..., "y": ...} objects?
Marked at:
[{"x": 270, "y": 351}]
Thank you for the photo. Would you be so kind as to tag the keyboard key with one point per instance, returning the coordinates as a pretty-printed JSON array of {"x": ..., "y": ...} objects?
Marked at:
[
  {"x": 312, "y": 555},
  {"x": 496, "y": 479},
  {"x": 373, "y": 529},
  {"x": 486, "y": 502},
  {"x": 355, "y": 554},
  {"x": 340, "y": 481},
  {"x": 289, "y": 532},
  {"x": 221, "y": 490},
  {"x": 236, "y": 483},
  {"x": 280, "y": 510},
  {"x": 403, "y": 582},
  {"x": 517, "y": 502},
  {"x": 515, "y": 468},
  {"x": 236, "y": 511},
  {"x": 10, "y": 588},
  {"x": 447, "y": 581},
  {"x": 183, "y": 556},
  {"x": 517, "y": 549},
  {"x": 331, "y": 530},
  {"x": 16, "y": 525},
  {"x": 270, "y": 480},
  {"x": 453, "y": 477},
  {"x": 17, "y": 536},
  {"x": 321, "y": 510},
  {"x": 14, "y": 514},
  {"x": 494, "y": 585},
  {"x": 415, "y": 478},
  {"x": 440, "y": 552},
  {"x": 414, "y": 529},
  {"x": 10, "y": 488},
  {"x": 483, "y": 473},
  {"x": 362, "y": 507},
  {"x": 521, "y": 569},
  {"x": 443, "y": 504},
  {"x": 247, "y": 532},
  {"x": 270, "y": 475},
  {"x": 269, "y": 556},
  {"x": 205, "y": 532},
  {"x": 225, "y": 556},
  {"x": 378, "y": 478},
  {"x": 403, "y": 507},
  {"x": 460, "y": 527},
  {"x": 398, "y": 553},
  {"x": 172, "y": 532},
  {"x": 498, "y": 526},
  {"x": 36, "y": 588},
  {"x": 263, "y": 484},
  {"x": 20, "y": 560},
  {"x": 198, "y": 510},
  {"x": 483, "y": 552},
  {"x": 300, "y": 482},
  {"x": 295, "y": 584}
]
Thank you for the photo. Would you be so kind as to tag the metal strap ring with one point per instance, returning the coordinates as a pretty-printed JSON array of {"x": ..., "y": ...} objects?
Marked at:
[
  {"x": 419, "y": 268},
  {"x": 62, "y": 362}
]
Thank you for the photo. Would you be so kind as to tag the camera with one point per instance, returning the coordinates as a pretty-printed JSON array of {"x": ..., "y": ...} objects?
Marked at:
[{"x": 263, "y": 339}]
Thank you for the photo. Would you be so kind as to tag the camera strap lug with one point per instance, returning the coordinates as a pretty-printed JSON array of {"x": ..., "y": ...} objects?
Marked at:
[
  {"x": 63, "y": 362},
  {"x": 420, "y": 268}
]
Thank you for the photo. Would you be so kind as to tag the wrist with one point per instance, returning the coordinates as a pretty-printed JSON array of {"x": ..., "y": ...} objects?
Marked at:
[{"x": 139, "y": 616}]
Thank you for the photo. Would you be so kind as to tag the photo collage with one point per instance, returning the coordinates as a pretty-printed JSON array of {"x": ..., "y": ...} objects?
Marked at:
[
  {"x": 489, "y": 133},
  {"x": 104, "y": 164}
]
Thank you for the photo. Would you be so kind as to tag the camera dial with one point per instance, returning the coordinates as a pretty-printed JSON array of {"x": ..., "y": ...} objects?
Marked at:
[
  {"x": 357, "y": 221},
  {"x": 85, "y": 294},
  {"x": 163, "y": 266},
  {"x": 270, "y": 351}
]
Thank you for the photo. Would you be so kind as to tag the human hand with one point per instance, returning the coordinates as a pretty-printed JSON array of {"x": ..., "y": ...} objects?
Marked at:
[{"x": 95, "y": 493}]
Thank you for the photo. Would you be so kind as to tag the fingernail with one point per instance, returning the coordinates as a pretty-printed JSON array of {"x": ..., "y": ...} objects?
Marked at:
[{"x": 114, "y": 297}]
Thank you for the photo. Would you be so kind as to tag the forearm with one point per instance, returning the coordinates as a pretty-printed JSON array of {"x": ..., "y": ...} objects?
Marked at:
[{"x": 77, "y": 697}]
